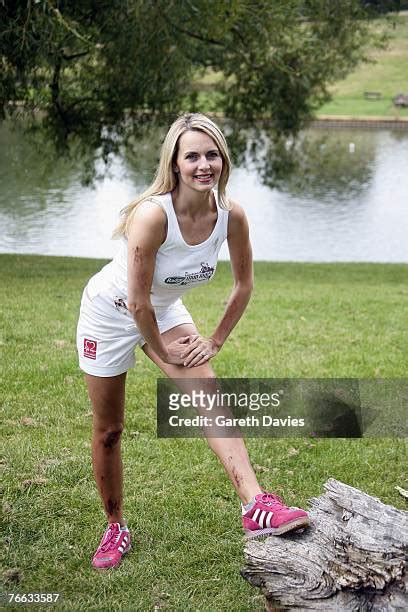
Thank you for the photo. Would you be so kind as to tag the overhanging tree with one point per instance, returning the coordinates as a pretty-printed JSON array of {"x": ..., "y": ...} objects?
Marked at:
[{"x": 96, "y": 72}]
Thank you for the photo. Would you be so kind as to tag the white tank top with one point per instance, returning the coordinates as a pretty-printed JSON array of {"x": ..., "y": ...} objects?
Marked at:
[{"x": 179, "y": 266}]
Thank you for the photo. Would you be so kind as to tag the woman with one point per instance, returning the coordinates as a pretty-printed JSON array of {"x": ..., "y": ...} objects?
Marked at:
[{"x": 171, "y": 237}]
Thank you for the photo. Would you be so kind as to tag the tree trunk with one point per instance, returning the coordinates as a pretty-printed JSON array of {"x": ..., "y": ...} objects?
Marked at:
[{"x": 352, "y": 557}]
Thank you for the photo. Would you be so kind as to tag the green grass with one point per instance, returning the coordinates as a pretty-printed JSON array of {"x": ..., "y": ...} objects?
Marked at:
[{"x": 305, "y": 320}]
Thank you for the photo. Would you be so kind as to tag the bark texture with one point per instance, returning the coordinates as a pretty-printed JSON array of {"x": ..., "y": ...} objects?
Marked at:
[{"x": 352, "y": 557}]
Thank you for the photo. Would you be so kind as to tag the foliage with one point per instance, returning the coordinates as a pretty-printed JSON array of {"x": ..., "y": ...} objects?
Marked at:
[{"x": 93, "y": 75}]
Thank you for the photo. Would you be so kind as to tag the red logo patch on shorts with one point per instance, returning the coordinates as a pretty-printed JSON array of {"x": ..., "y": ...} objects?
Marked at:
[{"x": 90, "y": 348}]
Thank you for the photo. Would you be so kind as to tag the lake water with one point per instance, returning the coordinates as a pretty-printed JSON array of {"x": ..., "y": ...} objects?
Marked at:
[{"x": 350, "y": 203}]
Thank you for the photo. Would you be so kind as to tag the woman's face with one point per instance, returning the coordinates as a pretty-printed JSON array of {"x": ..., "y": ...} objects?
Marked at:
[{"x": 198, "y": 162}]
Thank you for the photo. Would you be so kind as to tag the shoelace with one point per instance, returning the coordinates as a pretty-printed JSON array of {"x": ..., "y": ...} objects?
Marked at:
[
  {"x": 111, "y": 540},
  {"x": 272, "y": 500}
]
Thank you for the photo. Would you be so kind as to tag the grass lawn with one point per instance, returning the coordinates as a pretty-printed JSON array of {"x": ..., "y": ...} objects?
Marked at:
[{"x": 305, "y": 320}]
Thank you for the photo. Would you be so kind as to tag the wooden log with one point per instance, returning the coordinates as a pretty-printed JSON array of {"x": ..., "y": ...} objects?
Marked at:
[{"x": 352, "y": 557}]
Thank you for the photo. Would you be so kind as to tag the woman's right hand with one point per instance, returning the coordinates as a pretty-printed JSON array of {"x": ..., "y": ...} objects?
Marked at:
[{"x": 177, "y": 348}]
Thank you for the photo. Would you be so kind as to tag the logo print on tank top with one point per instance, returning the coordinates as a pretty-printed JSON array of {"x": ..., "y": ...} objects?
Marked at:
[
  {"x": 204, "y": 274},
  {"x": 120, "y": 304}
]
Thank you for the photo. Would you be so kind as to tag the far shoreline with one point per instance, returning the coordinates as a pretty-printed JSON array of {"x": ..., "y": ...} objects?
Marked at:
[
  {"x": 353, "y": 121},
  {"x": 356, "y": 121},
  {"x": 4, "y": 256}
]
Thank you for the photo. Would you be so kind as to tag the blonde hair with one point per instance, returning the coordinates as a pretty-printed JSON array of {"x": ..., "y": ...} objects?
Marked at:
[{"x": 166, "y": 179}]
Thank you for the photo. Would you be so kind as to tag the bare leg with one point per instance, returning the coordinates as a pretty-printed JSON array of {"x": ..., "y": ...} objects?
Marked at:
[
  {"x": 108, "y": 401},
  {"x": 230, "y": 451}
]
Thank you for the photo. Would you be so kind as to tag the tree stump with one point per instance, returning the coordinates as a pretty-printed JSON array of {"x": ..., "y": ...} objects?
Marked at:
[{"x": 352, "y": 557}]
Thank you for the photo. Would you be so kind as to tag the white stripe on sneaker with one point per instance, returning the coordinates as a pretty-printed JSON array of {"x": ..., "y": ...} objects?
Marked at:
[
  {"x": 261, "y": 519},
  {"x": 256, "y": 514},
  {"x": 121, "y": 549},
  {"x": 268, "y": 520}
]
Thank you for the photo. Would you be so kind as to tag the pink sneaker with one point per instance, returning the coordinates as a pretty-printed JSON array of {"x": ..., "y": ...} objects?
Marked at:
[
  {"x": 270, "y": 515},
  {"x": 114, "y": 544}
]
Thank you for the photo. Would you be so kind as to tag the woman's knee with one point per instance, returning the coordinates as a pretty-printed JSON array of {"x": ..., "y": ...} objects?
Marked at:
[
  {"x": 109, "y": 435},
  {"x": 107, "y": 396}
]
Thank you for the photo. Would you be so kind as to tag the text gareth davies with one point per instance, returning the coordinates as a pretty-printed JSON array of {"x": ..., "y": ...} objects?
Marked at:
[{"x": 223, "y": 421}]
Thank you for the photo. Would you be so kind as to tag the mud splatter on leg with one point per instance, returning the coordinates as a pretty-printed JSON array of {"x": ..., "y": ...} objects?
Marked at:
[
  {"x": 238, "y": 479},
  {"x": 112, "y": 506},
  {"x": 111, "y": 439}
]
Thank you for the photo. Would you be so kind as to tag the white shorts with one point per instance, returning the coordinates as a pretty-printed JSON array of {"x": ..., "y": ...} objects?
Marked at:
[{"x": 107, "y": 335}]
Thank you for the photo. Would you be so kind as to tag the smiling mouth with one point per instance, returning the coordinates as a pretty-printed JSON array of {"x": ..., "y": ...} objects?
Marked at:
[{"x": 203, "y": 177}]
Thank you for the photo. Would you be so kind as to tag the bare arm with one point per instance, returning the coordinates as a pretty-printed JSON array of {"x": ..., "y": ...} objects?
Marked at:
[
  {"x": 147, "y": 233},
  {"x": 241, "y": 262}
]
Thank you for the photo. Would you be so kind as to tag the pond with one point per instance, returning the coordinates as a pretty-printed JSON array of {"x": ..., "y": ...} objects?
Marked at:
[{"x": 348, "y": 203}]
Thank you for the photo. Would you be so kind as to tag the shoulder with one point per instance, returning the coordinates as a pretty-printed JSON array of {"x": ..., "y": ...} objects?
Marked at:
[
  {"x": 237, "y": 220},
  {"x": 150, "y": 212},
  {"x": 150, "y": 219},
  {"x": 236, "y": 211}
]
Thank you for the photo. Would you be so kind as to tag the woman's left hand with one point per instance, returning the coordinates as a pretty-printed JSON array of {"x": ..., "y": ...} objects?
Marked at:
[{"x": 199, "y": 351}]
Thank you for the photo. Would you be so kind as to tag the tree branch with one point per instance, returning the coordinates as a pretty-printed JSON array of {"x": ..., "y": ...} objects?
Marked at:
[
  {"x": 74, "y": 55},
  {"x": 211, "y": 41},
  {"x": 55, "y": 94},
  {"x": 67, "y": 25},
  {"x": 23, "y": 38}
]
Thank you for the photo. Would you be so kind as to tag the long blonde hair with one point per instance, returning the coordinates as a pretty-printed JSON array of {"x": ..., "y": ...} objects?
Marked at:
[{"x": 166, "y": 179}]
